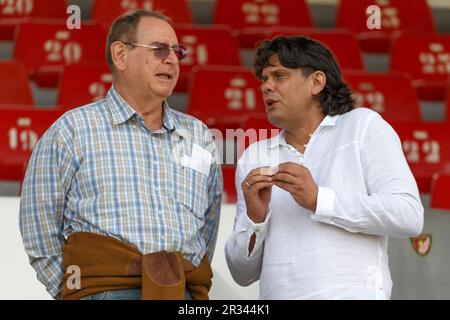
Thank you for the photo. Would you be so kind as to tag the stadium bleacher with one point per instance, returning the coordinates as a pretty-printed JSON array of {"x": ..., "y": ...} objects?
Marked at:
[
  {"x": 34, "y": 36},
  {"x": 401, "y": 71},
  {"x": 55, "y": 57}
]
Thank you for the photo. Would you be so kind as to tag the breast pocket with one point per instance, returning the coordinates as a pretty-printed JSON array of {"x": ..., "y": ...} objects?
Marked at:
[{"x": 193, "y": 191}]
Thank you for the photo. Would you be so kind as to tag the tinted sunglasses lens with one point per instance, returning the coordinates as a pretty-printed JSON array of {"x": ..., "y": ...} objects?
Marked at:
[
  {"x": 180, "y": 51},
  {"x": 162, "y": 52}
]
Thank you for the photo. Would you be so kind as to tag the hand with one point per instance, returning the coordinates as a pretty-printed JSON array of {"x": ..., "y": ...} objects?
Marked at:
[
  {"x": 257, "y": 190},
  {"x": 297, "y": 180}
]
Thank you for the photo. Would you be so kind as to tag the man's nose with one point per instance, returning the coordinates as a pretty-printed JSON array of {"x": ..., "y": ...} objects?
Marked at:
[
  {"x": 267, "y": 86},
  {"x": 171, "y": 58}
]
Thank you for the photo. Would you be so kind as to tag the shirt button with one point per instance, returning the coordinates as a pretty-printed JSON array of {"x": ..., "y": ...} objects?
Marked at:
[
  {"x": 155, "y": 163},
  {"x": 163, "y": 237}
]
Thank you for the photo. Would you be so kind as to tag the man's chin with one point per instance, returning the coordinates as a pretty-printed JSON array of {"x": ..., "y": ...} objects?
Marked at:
[{"x": 275, "y": 119}]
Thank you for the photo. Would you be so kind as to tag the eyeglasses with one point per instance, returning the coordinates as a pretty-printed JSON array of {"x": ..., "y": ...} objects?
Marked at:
[{"x": 162, "y": 50}]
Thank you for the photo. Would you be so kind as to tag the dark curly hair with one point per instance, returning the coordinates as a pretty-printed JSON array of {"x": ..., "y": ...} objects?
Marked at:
[{"x": 308, "y": 55}]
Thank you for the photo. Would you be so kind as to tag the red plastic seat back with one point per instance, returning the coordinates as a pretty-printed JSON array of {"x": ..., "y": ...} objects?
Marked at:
[
  {"x": 395, "y": 15},
  {"x": 391, "y": 95},
  {"x": 262, "y": 13},
  {"x": 342, "y": 43},
  {"x": 427, "y": 59},
  {"x": 229, "y": 185},
  {"x": 14, "y": 88},
  {"x": 14, "y": 12},
  {"x": 222, "y": 96},
  {"x": 447, "y": 105},
  {"x": 440, "y": 187},
  {"x": 250, "y": 18},
  {"x": 207, "y": 46},
  {"x": 19, "y": 133},
  {"x": 427, "y": 149},
  {"x": 83, "y": 83},
  {"x": 106, "y": 11},
  {"x": 45, "y": 48}
]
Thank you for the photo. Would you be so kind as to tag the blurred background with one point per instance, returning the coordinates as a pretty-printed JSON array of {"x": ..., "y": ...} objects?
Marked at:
[{"x": 401, "y": 70}]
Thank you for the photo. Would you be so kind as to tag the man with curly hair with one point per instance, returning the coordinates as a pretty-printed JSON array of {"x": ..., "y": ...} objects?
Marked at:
[{"x": 317, "y": 203}]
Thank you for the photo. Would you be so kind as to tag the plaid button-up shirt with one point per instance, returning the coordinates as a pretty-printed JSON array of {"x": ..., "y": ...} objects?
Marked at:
[{"x": 99, "y": 169}]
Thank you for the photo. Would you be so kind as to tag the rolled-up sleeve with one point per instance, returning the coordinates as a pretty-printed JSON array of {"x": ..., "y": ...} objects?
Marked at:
[{"x": 245, "y": 268}]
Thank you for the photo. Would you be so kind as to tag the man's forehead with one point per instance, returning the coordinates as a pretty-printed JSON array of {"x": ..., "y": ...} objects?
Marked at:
[
  {"x": 274, "y": 64},
  {"x": 157, "y": 30}
]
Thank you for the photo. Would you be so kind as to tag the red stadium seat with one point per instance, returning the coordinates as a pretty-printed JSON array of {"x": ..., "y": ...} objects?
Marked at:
[
  {"x": 250, "y": 18},
  {"x": 207, "y": 46},
  {"x": 229, "y": 186},
  {"x": 341, "y": 42},
  {"x": 45, "y": 48},
  {"x": 427, "y": 149},
  {"x": 259, "y": 122},
  {"x": 14, "y": 88},
  {"x": 221, "y": 96},
  {"x": 447, "y": 105},
  {"x": 440, "y": 187},
  {"x": 15, "y": 12},
  {"x": 106, "y": 11},
  {"x": 392, "y": 95},
  {"x": 83, "y": 83},
  {"x": 427, "y": 59},
  {"x": 395, "y": 15},
  {"x": 19, "y": 132},
  {"x": 259, "y": 126}
]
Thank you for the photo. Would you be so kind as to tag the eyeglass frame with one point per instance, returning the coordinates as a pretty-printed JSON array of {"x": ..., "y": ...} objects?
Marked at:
[{"x": 154, "y": 47}]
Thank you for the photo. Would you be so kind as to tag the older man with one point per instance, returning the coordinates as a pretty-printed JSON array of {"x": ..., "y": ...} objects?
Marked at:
[{"x": 125, "y": 193}]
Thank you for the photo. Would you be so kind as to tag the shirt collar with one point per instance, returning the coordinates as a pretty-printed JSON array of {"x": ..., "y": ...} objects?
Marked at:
[
  {"x": 279, "y": 140},
  {"x": 121, "y": 112}
]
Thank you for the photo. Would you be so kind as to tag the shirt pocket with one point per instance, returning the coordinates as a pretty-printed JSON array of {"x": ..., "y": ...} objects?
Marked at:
[{"x": 193, "y": 193}]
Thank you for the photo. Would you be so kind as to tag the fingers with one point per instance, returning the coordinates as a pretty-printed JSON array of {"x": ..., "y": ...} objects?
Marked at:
[
  {"x": 285, "y": 186},
  {"x": 255, "y": 176},
  {"x": 285, "y": 178},
  {"x": 249, "y": 182},
  {"x": 292, "y": 168},
  {"x": 261, "y": 185}
]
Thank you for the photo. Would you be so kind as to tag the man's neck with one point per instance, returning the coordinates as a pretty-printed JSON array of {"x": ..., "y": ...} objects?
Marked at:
[
  {"x": 299, "y": 135},
  {"x": 151, "y": 109}
]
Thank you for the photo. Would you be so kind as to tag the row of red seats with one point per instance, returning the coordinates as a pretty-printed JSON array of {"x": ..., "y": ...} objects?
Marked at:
[
  {"x": 249, "y": 18},
  {"x": 235, "y": 91},
  {"x": 46, "y": 48},
  {"x": 426, "y": 145}
]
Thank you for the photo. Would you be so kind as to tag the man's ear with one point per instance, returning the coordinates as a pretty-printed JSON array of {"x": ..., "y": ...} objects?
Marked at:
[
  {"x": 319, "y": 79},
  {"x": 118, "y": 54}
]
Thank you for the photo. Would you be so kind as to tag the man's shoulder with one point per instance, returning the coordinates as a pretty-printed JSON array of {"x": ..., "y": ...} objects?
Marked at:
[
  {"x": 360, "y": 113},
  {"x": 82, "y": 112}
]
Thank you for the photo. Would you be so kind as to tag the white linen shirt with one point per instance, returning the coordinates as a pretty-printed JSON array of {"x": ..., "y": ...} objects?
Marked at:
[{"x": 366, "y": 193}]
